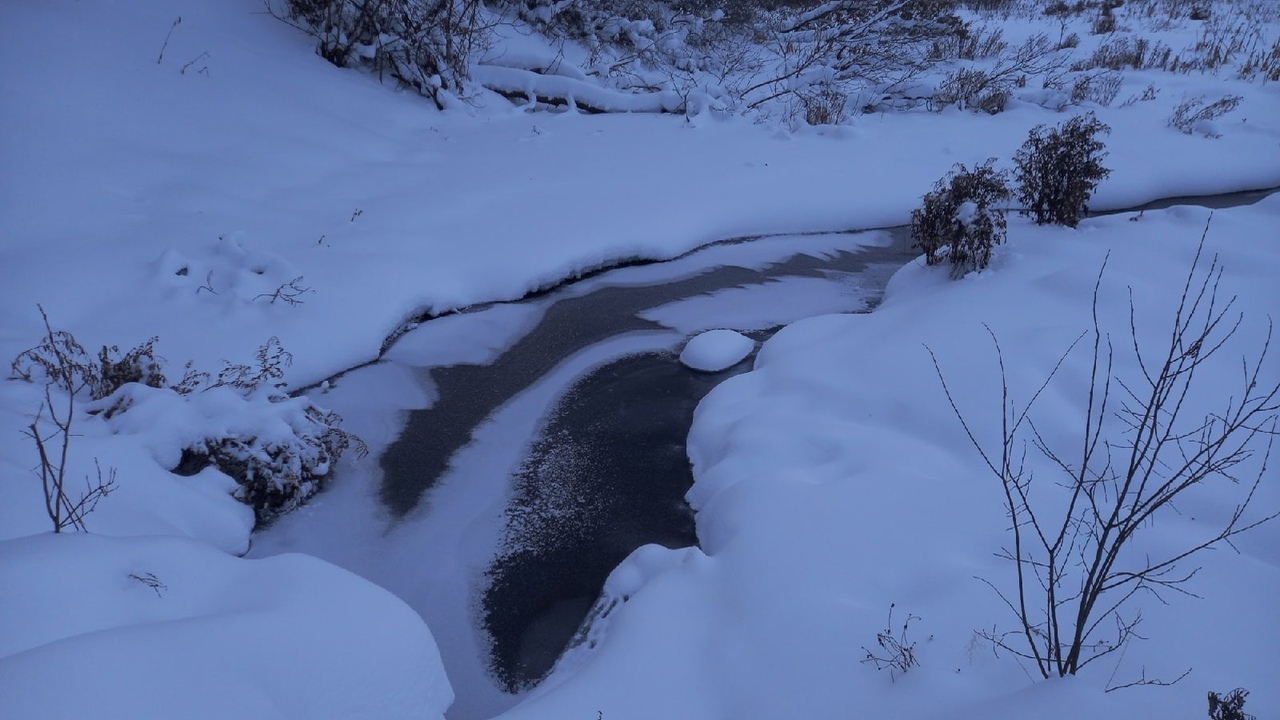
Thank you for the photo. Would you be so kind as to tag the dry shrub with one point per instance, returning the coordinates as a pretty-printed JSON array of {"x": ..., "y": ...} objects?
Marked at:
[
  {"x": 1057, "y": 170},
  {"x": 959, "y": 221},
  {"x": 1193, "y": 115}
]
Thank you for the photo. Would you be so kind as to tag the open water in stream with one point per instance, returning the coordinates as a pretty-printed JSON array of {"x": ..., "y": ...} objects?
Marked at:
[
  {"x": 607, "y": 471},
  {"x": 594, "y": 464}
]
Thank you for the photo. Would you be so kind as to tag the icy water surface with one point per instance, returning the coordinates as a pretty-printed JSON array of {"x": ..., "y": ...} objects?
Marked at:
[
  {"x": 606, "y": 471},
  {"x": 548, "y": 442}
]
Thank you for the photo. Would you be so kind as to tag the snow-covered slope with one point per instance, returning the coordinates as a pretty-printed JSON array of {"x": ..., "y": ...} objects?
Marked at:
[
  {"x": 166, "y": 178},
  {"x": 162, "y": 628},
  {"x": 833, "y": 483}
]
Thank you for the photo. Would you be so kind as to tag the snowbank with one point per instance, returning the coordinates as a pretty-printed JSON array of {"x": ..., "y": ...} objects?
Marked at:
[
  {"x": 238, "y": 188},
  {"x": 248, "y": 179},
  {"x": 166, "y": 628},
  {"x": 833, "y": 481}
]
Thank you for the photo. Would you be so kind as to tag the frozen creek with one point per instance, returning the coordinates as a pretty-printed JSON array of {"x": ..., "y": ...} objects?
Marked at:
[{"x": 525, "y": 449}]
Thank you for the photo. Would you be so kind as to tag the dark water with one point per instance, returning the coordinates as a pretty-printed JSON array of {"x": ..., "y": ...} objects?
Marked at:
[
  {"x": 469, "y": 393},
  {"x": 608, "y": 471},
  {"x": 607, "y": 475},
  {"x": 1213, "y": 202}
]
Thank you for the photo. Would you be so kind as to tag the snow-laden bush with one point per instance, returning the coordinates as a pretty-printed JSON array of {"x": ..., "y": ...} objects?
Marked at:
[
  {"x": 959, "y": 220},
  {"x": 279, "y": 449},
  {"x": 280, "y": 452},
  {"x": 1057, "y": 170},
  {"x": 425, "y": 44}
]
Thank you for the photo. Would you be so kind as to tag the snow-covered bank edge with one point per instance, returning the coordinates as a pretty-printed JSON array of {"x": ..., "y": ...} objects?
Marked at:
[
  {"x": 167, "y": 627},
  {"x": 146, "y": 195},
  {"x": 825, "y": 477}
]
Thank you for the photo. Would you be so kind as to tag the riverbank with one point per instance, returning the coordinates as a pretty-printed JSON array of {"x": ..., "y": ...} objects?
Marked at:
[{"x": 262, "y": 193}]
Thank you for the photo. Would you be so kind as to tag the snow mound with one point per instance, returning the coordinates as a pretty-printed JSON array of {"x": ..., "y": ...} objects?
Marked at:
[
  {"x": 168, "y": 628},
  {"x": 716, "y": 350}
]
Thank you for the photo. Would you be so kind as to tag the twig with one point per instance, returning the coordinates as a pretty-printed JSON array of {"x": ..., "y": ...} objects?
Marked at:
[{"x": 176, "y": 23}]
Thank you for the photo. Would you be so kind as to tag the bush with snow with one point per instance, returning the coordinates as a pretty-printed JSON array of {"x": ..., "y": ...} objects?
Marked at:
[
  {"x": 280, "y": 458},
  {"x": 1058, "y": 169},
  {"x": 279, "y": 449},
  {"x": 959, "y": 220},
  {"x": 425, "y": 45}
]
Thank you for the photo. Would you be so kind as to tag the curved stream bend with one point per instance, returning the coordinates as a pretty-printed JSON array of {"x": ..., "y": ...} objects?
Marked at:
[{"x": 607, "y": 470}]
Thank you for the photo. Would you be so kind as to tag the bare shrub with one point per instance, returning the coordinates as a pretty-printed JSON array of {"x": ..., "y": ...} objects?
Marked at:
[
  {"x": 989, "y": 90},
  {"x": 1264, "y": 63},
  {"x": 972, "y": 90},
  {"x": 968, "y": 43},
  {"x": 1058, "y": 169},
  {"x": 1076, "y": 565},
  {"x": 1097, "y": 87},
  {"x": 1106, "y": 21},
  {"x": 1193, "y": 115},
  {"x": 1151, "y": 92},
  {"x": 271, "y": 359},
  {"x": 274, "y": 474},
  {"x": 959, "y": 220},
  {"x": 1228, "y": 706},
  {"x": 1124, "y": 52},
  {"x": 824, "y": 106},
  {"x": 61, "y": 358},
  {"x": 896, "y": 653},
  {"x": 991, "y": 6},
  {"x": 1226, "y": 37},
  {"x": 424, "y": 44},
  {"x": 849, "y": 45},
  {"x": 289, "y": 293},
  {"x": 1060, "y": 8}
]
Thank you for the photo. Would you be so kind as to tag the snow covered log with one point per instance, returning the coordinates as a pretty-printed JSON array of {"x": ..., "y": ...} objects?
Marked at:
[{"x": 515, "y": 83}]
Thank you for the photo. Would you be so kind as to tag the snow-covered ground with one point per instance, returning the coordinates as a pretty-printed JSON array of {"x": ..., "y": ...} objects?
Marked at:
[{"x": 172, "y": 196}]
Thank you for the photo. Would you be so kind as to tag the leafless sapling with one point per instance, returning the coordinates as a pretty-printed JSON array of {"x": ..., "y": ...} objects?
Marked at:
[
  {"x": 1142, "y": 444},
  {"x": 65, "y": 506}
]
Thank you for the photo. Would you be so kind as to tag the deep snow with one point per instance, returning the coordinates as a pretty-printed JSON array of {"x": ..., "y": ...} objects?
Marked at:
[{"x": 142, "y": 198}]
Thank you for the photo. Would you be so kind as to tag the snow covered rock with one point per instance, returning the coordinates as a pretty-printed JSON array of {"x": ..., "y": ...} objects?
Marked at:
[{"x": 716, "y": 350}]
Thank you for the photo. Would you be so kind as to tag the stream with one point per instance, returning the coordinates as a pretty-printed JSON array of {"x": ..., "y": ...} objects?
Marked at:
[
  {"x": 606, "y": 470},
  {"x": 542, "y": 441}
]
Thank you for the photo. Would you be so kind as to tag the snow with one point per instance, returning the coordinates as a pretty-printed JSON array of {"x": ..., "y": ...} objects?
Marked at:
[
  {"x": 174, "y": 196},
  {"x": 716, "y": 350},
  {"x": 834, "y": 480},
  {"x": 150, "y": 627},
  {"x": 448, "y": 547},
  {"x": 574, "y": 91}
]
